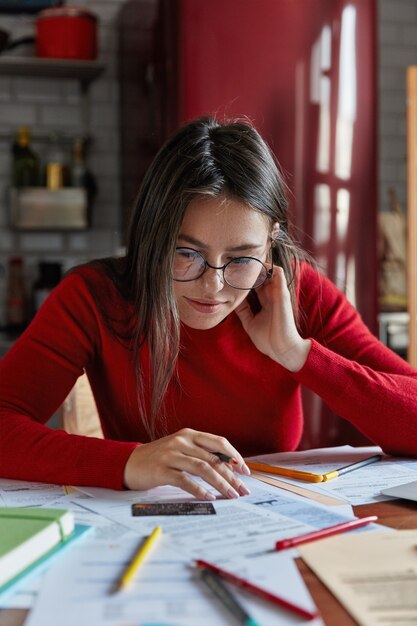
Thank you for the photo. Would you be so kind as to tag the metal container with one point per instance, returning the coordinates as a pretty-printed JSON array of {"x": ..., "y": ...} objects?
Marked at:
[
  {"x": 37, "y": 208},
  {"x": 66, "y": 33}
]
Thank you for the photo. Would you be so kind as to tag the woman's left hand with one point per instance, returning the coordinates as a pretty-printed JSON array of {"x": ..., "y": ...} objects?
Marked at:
[{"x": 273, "y": 329}]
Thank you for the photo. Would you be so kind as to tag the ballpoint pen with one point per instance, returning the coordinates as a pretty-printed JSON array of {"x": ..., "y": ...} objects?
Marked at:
[
  {"x": 130, "y": 572},
  {"x": 215, "y": 584},
  {"x": 225, "y": 458},
  {"x": 256, "y": 590},
  {"x": 350, "y": 468},
  {"x": 310, "y": 476},
  {"x": 293, "y": 542}
]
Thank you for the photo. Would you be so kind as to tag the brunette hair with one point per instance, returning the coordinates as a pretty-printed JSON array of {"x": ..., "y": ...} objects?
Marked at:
[{"x": 205, "y": 157}]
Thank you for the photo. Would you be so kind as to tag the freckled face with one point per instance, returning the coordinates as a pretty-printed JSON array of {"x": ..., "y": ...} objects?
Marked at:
[{"x": 220, "y": 229}]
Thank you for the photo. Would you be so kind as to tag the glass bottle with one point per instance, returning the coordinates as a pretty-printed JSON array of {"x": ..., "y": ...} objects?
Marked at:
[
  {"x": 56, "y": 166},
  {"x": 16, "y": 295},
  {"x": 81, "y": 176},
  {"x": 78, "y": 170},
  {"x": 49, "y": 275},
  {"x": 25, "y": 165}
]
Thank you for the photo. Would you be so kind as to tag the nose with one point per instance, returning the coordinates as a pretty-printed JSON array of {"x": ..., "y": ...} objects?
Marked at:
[{"x": 213, "y": 279}]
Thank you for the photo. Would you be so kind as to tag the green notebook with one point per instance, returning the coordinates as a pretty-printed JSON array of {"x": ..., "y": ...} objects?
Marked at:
[{"x": 29, "y": 534}]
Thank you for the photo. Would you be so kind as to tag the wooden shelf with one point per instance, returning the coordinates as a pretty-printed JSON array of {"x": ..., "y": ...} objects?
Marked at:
[{"x": 83, "y": 71}]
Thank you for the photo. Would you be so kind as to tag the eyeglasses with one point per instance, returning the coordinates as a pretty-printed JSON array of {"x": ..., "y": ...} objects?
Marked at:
[{"x": 243, "y": 272}]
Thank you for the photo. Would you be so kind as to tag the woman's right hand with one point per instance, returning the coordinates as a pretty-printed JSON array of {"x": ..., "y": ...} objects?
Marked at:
[{"x": 170, "y": 461}]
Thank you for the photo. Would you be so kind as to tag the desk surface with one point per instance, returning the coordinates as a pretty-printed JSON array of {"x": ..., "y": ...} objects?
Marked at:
[{"x": 398, "y": 514}]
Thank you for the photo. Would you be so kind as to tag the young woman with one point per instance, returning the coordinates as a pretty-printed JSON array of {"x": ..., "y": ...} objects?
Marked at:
[{"x": 199, "y": 340}]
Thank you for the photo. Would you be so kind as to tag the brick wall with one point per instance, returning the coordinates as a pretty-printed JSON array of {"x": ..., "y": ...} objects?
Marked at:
[
  {"x": 397, "y": 30},
  {"x": 55, "y": 105}
]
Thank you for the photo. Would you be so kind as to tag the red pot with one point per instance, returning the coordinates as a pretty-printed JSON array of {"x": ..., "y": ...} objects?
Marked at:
[{"x": 66, "y": 33}]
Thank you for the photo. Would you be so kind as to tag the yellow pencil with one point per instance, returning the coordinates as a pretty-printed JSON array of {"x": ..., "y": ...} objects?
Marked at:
[
  {"x": 130, "y": 572},
  {"x": 285, "y": 471},
  {"x": 309, "y": 476}
]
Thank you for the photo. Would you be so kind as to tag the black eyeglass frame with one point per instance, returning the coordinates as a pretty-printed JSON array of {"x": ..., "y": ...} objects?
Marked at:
[{"x": 269, "y": 272}]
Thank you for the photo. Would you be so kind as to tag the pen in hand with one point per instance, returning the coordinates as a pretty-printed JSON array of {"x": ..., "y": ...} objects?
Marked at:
[
  {"x": 130, "y": 572},
  {"x": 293, "y": 542},
  {"x": 225, "y": 458}
]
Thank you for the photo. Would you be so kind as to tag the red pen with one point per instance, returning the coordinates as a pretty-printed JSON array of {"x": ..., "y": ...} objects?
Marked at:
[
  {"x": 292, "y": 542},
  {"x": 258, "y": 591}
]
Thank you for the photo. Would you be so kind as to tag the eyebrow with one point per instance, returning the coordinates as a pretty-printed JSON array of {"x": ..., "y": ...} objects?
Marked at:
[{"x": 200, "y": 244}]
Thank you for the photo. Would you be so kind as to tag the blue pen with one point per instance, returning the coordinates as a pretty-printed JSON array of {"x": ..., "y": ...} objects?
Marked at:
[{"x": 220, "y": 590}]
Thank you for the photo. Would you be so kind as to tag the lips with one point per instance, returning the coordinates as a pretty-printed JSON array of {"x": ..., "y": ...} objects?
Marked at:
[{"x": 205, "y": 306}]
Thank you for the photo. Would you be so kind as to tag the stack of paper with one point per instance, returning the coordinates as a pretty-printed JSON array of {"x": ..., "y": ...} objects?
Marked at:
[{"x": 374, "y": 575}]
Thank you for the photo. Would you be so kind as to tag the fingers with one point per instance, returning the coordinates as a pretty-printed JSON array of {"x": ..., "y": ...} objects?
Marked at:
[
  {"x": 175, "y": 459},
  {"x": 274, "y": 287},
  {"x": 213, "y": 445},
  {"x": 198, "y": 455},
  {"x": 268, "y": 294},
  {"x": 220, "y": 476}
]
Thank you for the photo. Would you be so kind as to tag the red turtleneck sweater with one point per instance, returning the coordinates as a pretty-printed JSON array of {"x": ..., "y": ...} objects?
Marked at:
[{"x": 224, "y": 385}]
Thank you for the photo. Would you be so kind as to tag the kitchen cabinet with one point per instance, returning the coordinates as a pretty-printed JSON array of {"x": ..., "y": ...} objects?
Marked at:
[
  {"x": 85, "y": 72},
  {"x": 39, "y": 208}
]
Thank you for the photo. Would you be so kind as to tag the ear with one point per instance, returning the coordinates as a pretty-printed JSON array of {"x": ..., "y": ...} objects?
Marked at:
[{"x": 275, "y": 231}]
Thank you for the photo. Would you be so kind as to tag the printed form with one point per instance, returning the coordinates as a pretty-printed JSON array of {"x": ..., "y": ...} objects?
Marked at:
[
  {"x": 242, "y": 527},
  {"x": 374, "y": 577},
  {"x": 166, "y": 592},
  {"x": 361, "y": 486}
]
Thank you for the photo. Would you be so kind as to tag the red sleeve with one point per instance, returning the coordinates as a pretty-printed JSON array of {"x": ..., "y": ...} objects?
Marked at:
[
  {"x": 357, "y": 376},
  {"x": 35, "y": 377}
]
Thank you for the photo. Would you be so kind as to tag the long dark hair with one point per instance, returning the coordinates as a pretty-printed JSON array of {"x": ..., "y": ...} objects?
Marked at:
[{"x": 205, "y": 157}]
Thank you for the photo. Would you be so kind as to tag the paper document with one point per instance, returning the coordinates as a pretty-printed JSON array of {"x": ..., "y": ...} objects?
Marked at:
[
  {"x": 262, "y": 518},
  {"x": 361, "y": 486},
  {"x": 408, "y": 491},
  {"x": 166, "y": 590},
  {"x": 318, "y": 460},
  {"x": 323, "y": 498},
  {"x": 26, "y": 493},
  {"x": 373, "y": 576}
]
